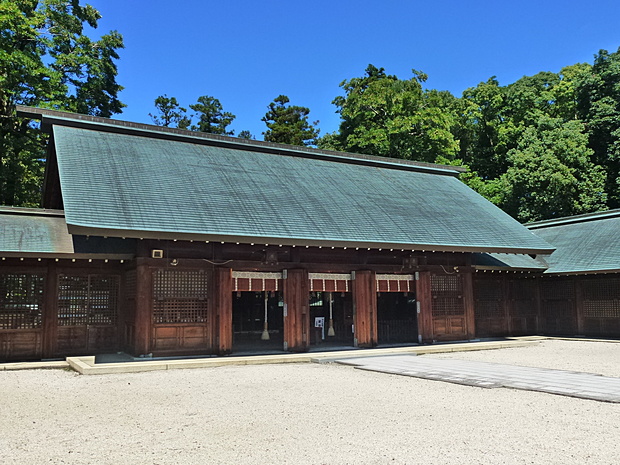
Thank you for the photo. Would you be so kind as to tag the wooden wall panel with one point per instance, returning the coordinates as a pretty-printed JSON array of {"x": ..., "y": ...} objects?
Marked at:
[
  {"x": 365, "y": 309},
  {"x": 297, "y": 316},
  {"x": 223, "y": 282}
]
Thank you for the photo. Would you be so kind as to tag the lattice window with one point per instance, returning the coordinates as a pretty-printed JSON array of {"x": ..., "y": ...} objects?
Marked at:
[
  {"x": 446, "y": 283},
  {"x": 523, "y": 294},
  {"x": 21, "y": 301},
  {"x": 179, "y": 296},
  {"x": 601, "y": 289},
  {"x": 489, "y": 298},
  {"x": 601, "y": 297},
  {"x": 557, "y": 290},
  {"x": 88, "y": 300},
  {"x": 447, "y": 295}
]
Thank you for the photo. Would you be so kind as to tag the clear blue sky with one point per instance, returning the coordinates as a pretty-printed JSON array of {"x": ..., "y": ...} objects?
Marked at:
[{"x": 247, "y": 52}]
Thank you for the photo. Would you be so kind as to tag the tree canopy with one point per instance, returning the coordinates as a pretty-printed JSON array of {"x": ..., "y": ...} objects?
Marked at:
[
  {"x": 288, "y": 124},
  {"x": 48, "y": 60},
  {"x": 383, "y": 115}
]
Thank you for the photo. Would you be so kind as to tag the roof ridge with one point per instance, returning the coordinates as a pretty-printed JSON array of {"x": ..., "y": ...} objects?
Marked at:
[
  {"x": 574, "y": 219},
  {"x": 94, "y": 122}
]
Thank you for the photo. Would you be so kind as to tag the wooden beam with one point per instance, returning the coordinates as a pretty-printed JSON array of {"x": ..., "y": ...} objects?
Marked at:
[
  {"x": 50, "y": 311},
  {"x": 222, "y": 278},
  {"x": 296, "y": 312},
  {"x": 144, "y": 308},
  {"x": 424, "y": 298},
  {"x": 468, "y": 305},
  {"x": 365, "y": 309},
  {"x": 579, "y": 316}
]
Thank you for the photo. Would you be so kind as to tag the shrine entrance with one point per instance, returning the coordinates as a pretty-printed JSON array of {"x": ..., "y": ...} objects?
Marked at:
[
  {"x": 397, "y": 309},
  {"x": 257, "y": 312}
]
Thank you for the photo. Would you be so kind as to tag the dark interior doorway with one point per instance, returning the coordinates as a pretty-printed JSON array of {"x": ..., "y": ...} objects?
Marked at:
[
  {"x": 397, "y": 318},
  {"x": 334, "y": 331},
  {"x": 257, "y": 321}
]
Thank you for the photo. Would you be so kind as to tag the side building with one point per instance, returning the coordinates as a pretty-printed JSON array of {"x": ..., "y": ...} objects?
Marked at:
[
  {"x": 575, "y": 291},
  {"x": 168, "y": 242}
]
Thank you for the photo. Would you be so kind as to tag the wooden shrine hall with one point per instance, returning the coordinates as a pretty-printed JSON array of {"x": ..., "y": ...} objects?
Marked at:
[{"x": 168, "y": 242}]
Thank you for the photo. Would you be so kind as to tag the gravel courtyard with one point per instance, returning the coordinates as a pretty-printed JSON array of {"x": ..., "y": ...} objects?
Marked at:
[{"x": 308, "y": 414}]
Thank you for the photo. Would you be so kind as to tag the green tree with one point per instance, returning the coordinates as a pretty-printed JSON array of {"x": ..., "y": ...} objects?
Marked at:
[
  {"x": 47, "y": 60},
  {"x": 552, "y": 174},
  {"x": 211, "y": 116},
  {"x": 598, "y": 96},
  {"x": 288, "y": 124},
  {"x": 245, "y": 134},
  {"x": 170, "y": 113},
  {"x": 383, "y": 115}
]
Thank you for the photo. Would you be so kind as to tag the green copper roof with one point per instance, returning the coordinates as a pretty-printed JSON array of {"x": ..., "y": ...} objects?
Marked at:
[
  {"x": 585, "y": 243},
  {"x": 121, "y": 184},
  {"x": 32, "y": 231}
]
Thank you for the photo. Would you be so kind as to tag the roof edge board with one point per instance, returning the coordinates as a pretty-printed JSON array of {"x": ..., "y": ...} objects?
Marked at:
[
  {"x": 187, "y": 236},
  {"x": 8, "y": 210},
  {"x": 581, "y": 272},
  {"x": 574, "y": 219},
  {"x": 51, "y": 117}
]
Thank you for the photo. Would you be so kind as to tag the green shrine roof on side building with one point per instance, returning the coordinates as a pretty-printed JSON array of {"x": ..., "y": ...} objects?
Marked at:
[
  {"x": 585, "y": 243},
  {"x": 126, "y": 180}
]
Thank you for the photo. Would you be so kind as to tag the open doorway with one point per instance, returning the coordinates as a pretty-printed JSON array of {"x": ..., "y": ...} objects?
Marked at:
[
  {"x": 397, "y": 318},
  {"x": 331, "y": 318},
  {"x": 257, "y": 321}
]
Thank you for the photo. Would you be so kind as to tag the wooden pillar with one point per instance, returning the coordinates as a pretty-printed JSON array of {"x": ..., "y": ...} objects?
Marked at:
[
  {"x": 296, "y": 292},
  {"x": 579, "y": 318},
  {"x": 425, "y": 306},
  {"x": 50, "y": 312},
  {"x": 365, "y": 309},
  {"x": 507, "y": 307},
  {"x": 538, "y": 304},
  {"x": 468, "y": 304},
  {"x": 144, "y": 308},
  {"x": 222, "y": 278}
]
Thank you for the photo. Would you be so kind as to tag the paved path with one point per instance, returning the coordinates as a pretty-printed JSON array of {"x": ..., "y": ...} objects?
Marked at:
[{"x": 494, "y": 375}]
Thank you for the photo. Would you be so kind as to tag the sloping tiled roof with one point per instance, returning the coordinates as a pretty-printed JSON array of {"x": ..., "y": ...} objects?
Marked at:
[
  {"x": 585, "y": 243},
  {"x": 25, "y": 231},
  {"x": 120, "y": 184},
  {"x": 36, "y": 232}
]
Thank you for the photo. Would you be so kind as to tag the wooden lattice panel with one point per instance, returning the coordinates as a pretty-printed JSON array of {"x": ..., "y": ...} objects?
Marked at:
[
  {"x": 552, "y": 289},
  {"x": 523, "y": 296},
  {"x": 601, "y": 297},
  {"x": 447, "y": 295},
  {"x": 87, "y": 300},
  {"x": 21, "y": 301},
  {"x": 179, "y": 296}
]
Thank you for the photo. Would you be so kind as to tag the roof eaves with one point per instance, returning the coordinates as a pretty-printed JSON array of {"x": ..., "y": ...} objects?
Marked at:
[{"x": 290, "y": 241}]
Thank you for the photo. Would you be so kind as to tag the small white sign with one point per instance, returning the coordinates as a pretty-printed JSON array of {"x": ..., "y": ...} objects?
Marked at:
[{"x": 319, "y": 322}]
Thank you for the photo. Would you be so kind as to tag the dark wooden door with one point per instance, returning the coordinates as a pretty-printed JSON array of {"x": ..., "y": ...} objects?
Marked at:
[{"x": 87, "y": 314}]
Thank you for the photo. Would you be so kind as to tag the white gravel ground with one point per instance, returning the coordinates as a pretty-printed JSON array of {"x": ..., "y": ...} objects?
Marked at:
[{"x": 307, "y": 414}]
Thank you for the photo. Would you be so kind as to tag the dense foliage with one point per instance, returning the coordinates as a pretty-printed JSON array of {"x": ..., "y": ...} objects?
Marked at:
[
  {"x": 47, "y": 60},
  {"x": 288, "y": 124}
]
